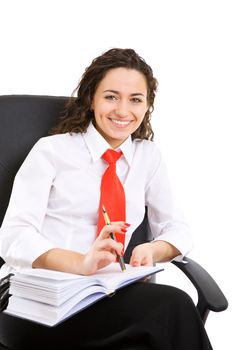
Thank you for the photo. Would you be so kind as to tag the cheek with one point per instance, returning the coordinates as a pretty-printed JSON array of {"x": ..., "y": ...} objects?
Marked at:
[
  {"x": 102, "y": 111},
  {"x": 101, "y": 117},
  {"x": 141, "y": 115},
  {"x": 141, "y": 111}
]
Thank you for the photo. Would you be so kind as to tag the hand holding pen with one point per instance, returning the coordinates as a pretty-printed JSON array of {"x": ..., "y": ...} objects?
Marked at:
[
  {"x": 119, "y": 257},
  {"x": 104, "y": 249}
]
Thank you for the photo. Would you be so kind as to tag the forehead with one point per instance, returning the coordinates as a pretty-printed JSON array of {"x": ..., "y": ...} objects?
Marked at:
[{"x": 123, "y": 79}]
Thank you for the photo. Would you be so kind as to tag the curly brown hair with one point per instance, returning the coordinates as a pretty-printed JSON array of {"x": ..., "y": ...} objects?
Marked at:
[{"x": 78, "y": 114}]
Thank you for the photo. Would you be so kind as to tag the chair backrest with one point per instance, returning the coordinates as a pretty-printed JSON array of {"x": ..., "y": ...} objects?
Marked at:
[{"x": 23, "y": 120}]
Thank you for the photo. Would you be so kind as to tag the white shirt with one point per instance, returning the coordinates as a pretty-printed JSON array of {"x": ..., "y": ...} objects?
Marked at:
[{"x": 55, "y": 197}]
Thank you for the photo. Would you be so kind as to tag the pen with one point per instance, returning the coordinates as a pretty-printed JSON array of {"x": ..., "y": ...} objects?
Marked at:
[{"x": 107, "y": 221}]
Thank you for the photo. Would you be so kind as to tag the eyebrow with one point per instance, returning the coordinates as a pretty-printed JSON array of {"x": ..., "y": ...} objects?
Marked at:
[{"x": 117, "y": 92}]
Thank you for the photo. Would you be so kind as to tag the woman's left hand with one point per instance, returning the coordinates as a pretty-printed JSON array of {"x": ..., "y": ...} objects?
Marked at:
[
  {"x": 142, "y": 255},
  {"x": 156, "y": 251}
]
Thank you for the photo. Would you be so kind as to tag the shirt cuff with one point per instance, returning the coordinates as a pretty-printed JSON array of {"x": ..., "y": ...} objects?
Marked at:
[{"x": 183, "y": 244}]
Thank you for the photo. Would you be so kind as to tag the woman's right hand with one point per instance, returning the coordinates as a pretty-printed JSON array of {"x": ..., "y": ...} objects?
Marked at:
[
  {"x": 104, "y": 249},
  {"x": 102, "y": 253}
]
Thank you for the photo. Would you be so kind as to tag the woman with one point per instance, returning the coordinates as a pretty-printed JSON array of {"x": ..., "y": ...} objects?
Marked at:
[{"x": 52, "y": 218}]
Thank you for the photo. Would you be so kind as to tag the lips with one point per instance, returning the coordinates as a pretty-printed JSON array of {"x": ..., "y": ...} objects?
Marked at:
[{"x": 121, "y": 123}]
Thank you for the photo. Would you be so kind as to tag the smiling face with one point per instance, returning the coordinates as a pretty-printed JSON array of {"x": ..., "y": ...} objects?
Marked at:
[{"x": 119, "y": 104}]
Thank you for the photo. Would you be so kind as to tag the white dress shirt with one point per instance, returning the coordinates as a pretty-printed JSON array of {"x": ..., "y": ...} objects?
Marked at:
[{"x": 55, "y": 197}]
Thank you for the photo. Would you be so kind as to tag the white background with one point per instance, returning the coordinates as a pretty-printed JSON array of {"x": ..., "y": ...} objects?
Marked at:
[{"x": 45, "y": 46}]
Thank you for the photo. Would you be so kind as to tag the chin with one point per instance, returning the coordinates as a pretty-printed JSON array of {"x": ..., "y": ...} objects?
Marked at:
[{"x": 120, "y": 138}]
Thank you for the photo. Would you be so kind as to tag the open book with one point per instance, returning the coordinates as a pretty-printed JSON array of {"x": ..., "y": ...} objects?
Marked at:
[{"x": 49, "y": 297}]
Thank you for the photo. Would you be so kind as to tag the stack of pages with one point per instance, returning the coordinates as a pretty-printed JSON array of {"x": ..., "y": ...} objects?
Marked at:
[{"x": 49, "y": 297}]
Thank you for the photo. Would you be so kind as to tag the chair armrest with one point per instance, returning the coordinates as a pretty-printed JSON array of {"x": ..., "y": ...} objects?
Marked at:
[{"x": 210, "y": 296}]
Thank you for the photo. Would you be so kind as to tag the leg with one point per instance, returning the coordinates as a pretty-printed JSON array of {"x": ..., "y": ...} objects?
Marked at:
[{"x": 140, "y": 316}]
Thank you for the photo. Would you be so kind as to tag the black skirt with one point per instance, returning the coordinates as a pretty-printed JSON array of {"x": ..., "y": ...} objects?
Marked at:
[{"x": 140, "y": 316}]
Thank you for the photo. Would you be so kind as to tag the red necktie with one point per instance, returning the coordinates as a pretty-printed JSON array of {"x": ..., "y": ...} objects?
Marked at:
[{"x": 112, "y": 194}]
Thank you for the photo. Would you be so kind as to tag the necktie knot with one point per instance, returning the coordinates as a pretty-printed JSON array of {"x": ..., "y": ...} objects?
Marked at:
[{"x": 111, "y": 156}]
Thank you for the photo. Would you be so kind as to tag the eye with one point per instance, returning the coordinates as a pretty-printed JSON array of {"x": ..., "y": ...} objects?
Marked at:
[
  {"x": 110, "y": 97},
  {"x": 136, "y": 100}
]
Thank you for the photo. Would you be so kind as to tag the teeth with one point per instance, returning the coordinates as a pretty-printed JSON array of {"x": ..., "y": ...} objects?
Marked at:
[{"x": 120, "y": 122}]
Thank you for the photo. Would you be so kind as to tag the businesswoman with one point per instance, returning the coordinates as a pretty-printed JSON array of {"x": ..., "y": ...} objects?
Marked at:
[{"x": 52, "y": 221}]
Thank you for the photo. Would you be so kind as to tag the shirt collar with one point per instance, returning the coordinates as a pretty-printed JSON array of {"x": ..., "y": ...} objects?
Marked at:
[{"x": 97, "y": 145}]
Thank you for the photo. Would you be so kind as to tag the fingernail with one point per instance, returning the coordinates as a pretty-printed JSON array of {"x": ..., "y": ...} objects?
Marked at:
[
  {"x": 123, "y": 230},
  {"x": 126, "y": 224}
]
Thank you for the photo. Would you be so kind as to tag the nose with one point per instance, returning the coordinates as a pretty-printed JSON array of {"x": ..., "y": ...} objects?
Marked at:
[{"x": 122, "y": 109}]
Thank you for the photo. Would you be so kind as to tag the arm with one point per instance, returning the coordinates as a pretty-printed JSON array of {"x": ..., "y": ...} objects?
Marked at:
[
  {"x": 102, "y": 253},
  {"x": 169, "y": 230},
  {"x": 20, "y": 238}
]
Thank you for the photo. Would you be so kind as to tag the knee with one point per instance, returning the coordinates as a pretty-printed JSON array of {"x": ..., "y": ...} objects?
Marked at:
[
  {"x": 177, "y": 298},
  {"x": 181, "y": 296},
  {"x": 182, "y": 304}
]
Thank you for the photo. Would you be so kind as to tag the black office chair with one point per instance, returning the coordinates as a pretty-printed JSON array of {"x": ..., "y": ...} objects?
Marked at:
[{"x": 26, "y": 118}]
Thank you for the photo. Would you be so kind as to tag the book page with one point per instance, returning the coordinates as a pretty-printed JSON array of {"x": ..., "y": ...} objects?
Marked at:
[{"x": 113, "y": 278}]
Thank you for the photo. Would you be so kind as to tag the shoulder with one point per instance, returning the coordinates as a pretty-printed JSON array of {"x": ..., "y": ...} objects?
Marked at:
[
  {"x": 146, "y": 157},
  {"x": 147, "y": 149},
  {"x": 58, "y": 138},
  {"x": 145, "y": 143},
  {"x": 57, "y": 142},
  {"x": 52, "y": 147}
]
